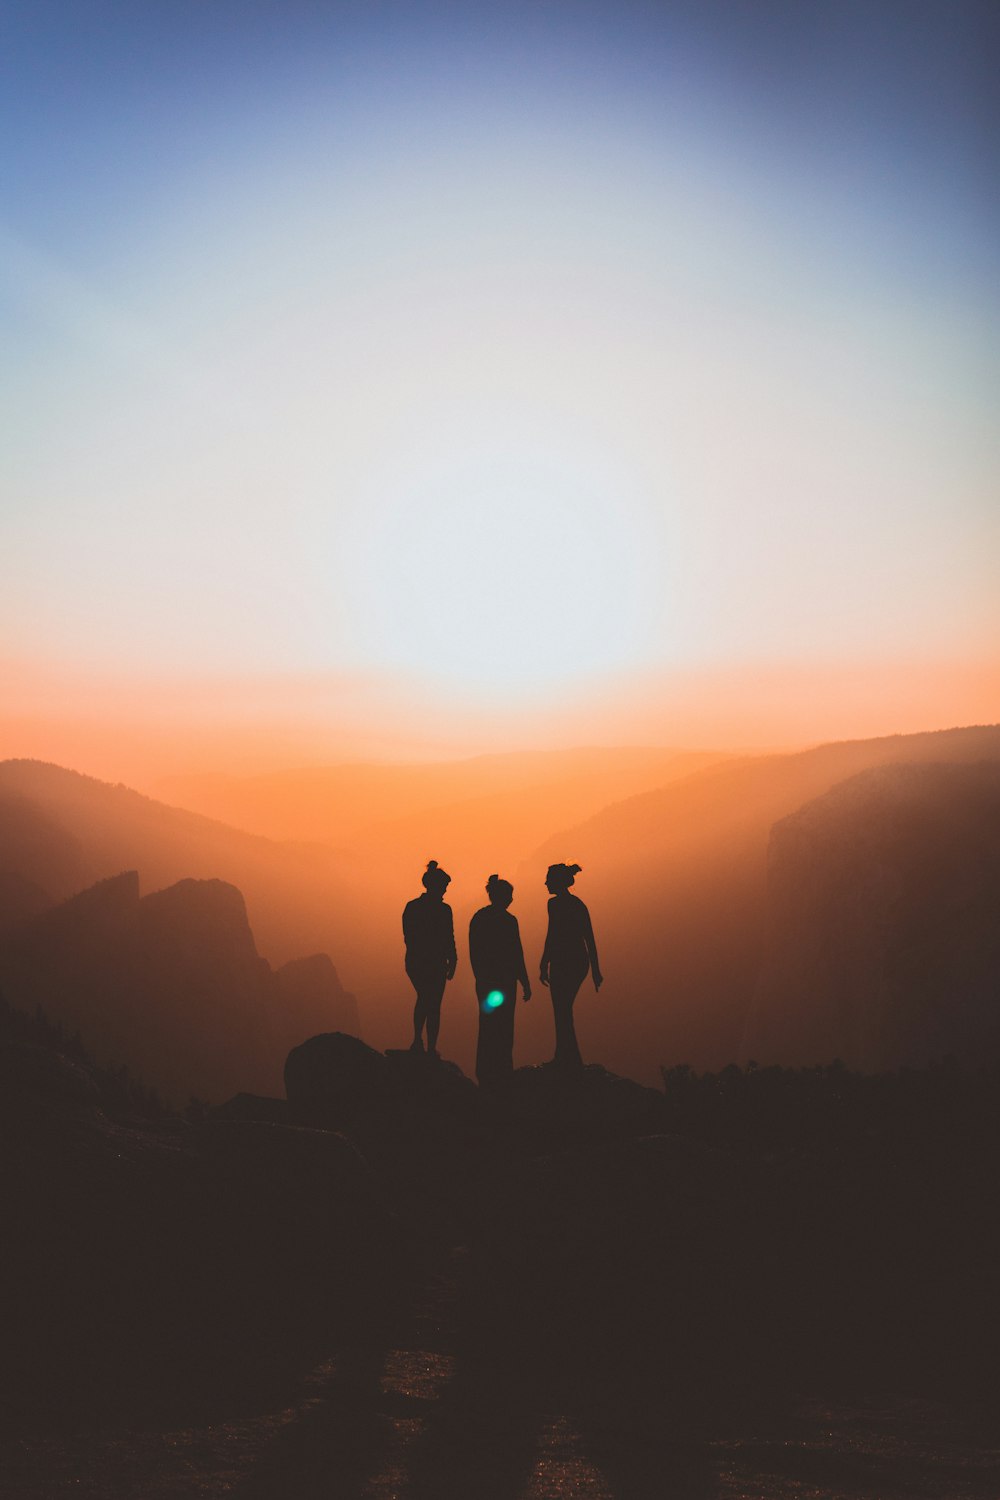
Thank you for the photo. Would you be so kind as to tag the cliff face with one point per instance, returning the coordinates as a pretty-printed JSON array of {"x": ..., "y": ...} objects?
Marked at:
[
  {"x": 309, "y": 998},
  {"x": 676, "y": 880},
  {"x": 171, "y": 984},
  {"x": 883, "y": 941}
]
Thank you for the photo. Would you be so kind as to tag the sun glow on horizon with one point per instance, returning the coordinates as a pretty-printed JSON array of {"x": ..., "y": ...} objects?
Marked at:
[
  {"x": 503, "y": 575},
  {"x": 496, "y": 358}
]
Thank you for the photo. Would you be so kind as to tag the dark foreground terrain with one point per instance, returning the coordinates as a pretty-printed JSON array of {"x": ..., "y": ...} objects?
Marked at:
[{"x": 757, "y": 1283}]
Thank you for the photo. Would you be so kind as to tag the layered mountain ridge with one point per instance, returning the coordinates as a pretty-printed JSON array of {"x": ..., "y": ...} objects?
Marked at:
[
  {"x": 172, "y": 984},
  {"x": 710, "y": 952}
]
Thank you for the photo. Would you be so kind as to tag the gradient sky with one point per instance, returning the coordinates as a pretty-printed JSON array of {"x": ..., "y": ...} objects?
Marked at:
[{"x": 498, "y": 350}]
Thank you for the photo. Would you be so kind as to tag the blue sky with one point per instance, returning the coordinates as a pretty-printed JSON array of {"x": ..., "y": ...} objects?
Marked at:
[{"x": 690, "y": 309}]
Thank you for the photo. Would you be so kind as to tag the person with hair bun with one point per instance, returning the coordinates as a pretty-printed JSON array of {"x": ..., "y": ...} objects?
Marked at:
[
  {"x": 569, "y": 952},
  {"x": 431, "y": 956},
  {"x": 498, "y": 965}
]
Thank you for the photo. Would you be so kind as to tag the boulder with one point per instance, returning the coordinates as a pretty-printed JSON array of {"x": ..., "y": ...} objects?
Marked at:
[
  {"x": 419, "y": 1117},
  {"x": 332, "y": 1073}
]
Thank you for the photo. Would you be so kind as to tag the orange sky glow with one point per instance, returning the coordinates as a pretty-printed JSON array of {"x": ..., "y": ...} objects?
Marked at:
[{"x": 132, "y": 729}]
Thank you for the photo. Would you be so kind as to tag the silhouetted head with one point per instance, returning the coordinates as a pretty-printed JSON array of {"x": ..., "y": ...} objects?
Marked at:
[
  {"x": 435, "y": 880},
  {"x": 561, "y": 877},
  {"x": 500, "y": 892}
]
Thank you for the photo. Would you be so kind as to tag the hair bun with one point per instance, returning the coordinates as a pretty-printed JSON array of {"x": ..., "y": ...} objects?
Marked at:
[
  {"x": 432, "y": 864},
  {"x": 575, "y": 868}
]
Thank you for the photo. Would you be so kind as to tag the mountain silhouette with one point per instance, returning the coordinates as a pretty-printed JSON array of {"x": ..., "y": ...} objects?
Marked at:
[
  {"x": 64, "y": 831},
  {"x": 172, "y": 985},
  {"x": 677, "y": 884},
  {"x": 883, "y": 932},
  {"x": 676, "y": 881},
  {"x": 41, "y": 861}
]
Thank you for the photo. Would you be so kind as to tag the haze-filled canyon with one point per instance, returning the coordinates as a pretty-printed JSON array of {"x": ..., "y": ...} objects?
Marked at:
[{"x": 799, "y": 907}]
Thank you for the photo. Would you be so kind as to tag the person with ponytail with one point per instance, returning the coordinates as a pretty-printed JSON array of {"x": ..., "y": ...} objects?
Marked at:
[
  {"x": 569, "y": 952},
  {"x": 498, "y": 965},
  {"x": 431, "y": 956}
]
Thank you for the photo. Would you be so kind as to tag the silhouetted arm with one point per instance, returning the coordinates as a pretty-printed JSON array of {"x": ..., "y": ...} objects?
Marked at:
[
  {"x": 522, "y": 972},
  {"x": 588, "y": 938},
  {"x": 453, "y": 951},
  {"x": 543, "y": 972},
  {"x": 475, "y": 946}
]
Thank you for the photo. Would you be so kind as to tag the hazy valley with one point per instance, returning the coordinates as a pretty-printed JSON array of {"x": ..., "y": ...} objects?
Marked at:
[{"x": 696, "y": 869}]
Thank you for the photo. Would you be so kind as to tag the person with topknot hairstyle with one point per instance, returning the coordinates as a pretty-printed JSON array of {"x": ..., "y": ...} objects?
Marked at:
[
  {"x": 498, "y": 964},
  {"x": 431, "y": 955},
  {"x": 569, "y": 952}
]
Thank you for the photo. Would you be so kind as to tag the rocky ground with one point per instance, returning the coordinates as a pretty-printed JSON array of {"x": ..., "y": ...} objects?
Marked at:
[
  {"x": 412, "y": 1421},
  {"x": 393, "y": 1285}
]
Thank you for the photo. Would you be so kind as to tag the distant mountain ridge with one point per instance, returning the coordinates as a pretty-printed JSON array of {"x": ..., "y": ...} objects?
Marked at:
[
  {"x": 675, "y": 878},
  {"x": 63, "y": 831},
  {"x": 353, "y": 805}
]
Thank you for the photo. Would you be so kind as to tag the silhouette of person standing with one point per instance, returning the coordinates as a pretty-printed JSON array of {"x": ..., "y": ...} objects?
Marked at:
[
  {"x": 431, "y": 956},
  {"x": 498, "y": 965},
  {"x": 569, "y": 952}
]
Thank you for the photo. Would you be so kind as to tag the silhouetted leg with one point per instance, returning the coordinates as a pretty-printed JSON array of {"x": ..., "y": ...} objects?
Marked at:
[
  {"x": 432, "y": 994},
  {"x": 495, "y": 1047},
  {"x": 419, "y": 1013},
  {"x": 427, "y": 1010},
  {"x": 564, "y": 992},
  {"x": 505, "y": 1034},
  {"x": 433, "y": 1026},
  {"x": 484, "y": 1040}
]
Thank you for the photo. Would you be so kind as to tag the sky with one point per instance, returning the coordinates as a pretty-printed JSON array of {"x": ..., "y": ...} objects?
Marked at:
[{"x": 495, "y": 352}]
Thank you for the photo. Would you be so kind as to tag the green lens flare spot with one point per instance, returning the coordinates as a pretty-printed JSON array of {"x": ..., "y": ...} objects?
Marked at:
[{"x": 493, "y": 1000}]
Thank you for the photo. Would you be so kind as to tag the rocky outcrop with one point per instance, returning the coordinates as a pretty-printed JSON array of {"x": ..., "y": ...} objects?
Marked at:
[
  {"x": 883, "y": 939},
  {"x": 64, "y": 831},
  {"x": 59, "y": 960},
  {"x": 337, "y": 1080},
  {"x": 454, "y": 1157},
  {"x": 170, "y": 984}
]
